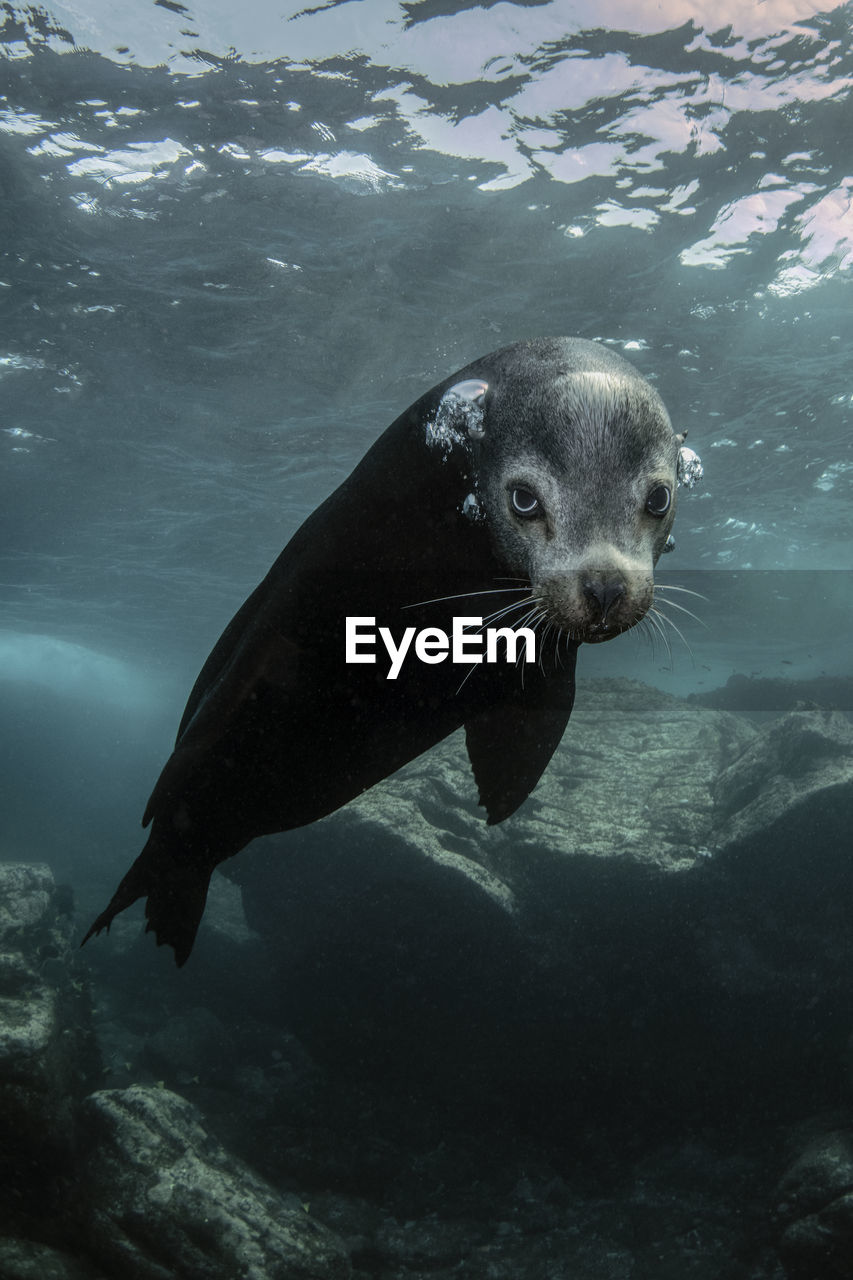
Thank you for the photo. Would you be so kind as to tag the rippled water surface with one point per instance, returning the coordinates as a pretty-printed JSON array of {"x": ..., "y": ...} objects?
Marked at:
[{"x": 237, "y": 241}]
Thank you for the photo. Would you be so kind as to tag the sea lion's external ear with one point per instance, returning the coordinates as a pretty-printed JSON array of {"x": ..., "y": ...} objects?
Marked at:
[
  {"x": 472, "y": 394},
  {"x": 473, "y": 389},
  {"x": 459, "y": 416},
  {"x": 690, "y": 470}
]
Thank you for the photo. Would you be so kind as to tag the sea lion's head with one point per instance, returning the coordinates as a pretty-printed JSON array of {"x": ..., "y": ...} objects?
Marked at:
[{"x": 576, "y": 466}]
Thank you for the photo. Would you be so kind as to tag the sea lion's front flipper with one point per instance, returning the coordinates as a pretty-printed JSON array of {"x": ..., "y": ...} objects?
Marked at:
[{"x": 510, "y": 744}]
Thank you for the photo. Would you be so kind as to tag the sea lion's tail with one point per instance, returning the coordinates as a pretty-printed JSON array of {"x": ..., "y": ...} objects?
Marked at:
[{"x": 176, "y": 890}]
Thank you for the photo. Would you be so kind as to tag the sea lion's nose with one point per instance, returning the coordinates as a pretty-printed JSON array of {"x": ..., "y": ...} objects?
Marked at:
[{"x": 603, "y": 594}]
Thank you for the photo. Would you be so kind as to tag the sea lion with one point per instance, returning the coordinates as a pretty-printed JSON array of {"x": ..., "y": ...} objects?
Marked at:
[{"x": 535, "y": 487}]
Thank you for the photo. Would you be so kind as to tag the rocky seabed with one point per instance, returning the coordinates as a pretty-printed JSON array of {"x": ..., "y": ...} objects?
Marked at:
[{"x": 608, "y": 1039}]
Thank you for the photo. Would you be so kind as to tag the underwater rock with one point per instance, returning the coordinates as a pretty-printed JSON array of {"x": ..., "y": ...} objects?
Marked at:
[
  {"x": 403, "y": 931},
  {"x": 27, "y": 904},
  {"x": 756, "y": 693},
  {"x": 817, "y": 1193},
  {"x": 820, "y": 1246},
  {"x": 795, "y": 776},
  {"x": 26, "y": 1260},
  {"x": 46, "y": 1049},
  {"x": 428, "y": 1244},
  {"x": 224, "y": 914},
  {"x": 633, "y": 783},
  {"x": 642, "y": 780},
  {"x": 654, "y": 757},
  {"x": 169, "y": 1203},
  {"x": 662, "y": 921},
  {"x": 822, "y": 1173},
  {"x": 776, "y": 926}
]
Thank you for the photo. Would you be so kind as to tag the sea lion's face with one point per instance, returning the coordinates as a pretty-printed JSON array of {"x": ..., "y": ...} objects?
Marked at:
[{"x": 577, "y": 483}]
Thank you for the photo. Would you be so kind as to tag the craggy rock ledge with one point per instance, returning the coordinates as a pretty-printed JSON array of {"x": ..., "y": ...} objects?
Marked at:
[
  {"x": 168, "y": 1198},
  {"x": 122, "y": 1182},
  {"x": 666, "y": 913},
  {"x": 659, "y": 938}
]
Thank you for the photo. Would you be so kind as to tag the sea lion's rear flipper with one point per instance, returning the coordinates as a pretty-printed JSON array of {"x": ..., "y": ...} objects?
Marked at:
[
  {"x": 510, "y": 744},
  {"x": 189, "y": 807},
  {"x": 176, "y": 889}
]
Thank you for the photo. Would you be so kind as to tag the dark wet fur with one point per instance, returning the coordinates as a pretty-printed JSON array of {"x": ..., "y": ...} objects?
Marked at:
[{"x": 278, "y": 731}]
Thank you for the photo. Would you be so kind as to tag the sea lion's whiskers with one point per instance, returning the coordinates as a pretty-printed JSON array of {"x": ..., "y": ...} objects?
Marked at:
[
  {"x": 681, "y": 609},
  {"x": 531, "y": 620},
  {"x": 536, "y": 617},
  {"x": 501, "y": 613},
  {"x": 527, "y": 620},
  {"x": 657, "y": 631},
  {"x": 465, "y": 595},
  {"x": 670, "y": 586},
  {"x": 548, "y": 626},
  {"x": 650, "y": 628},
  {"x": 663, "y": 618},
  {"x": 552, "y": 626},
  {"x": 493, "y": 618},
  {"x": 639, "y": 629},
  {"x": 466, "y": 676}
]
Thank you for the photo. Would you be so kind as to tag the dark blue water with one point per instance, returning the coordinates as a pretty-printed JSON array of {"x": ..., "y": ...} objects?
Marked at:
[{"x": 237, "y": 242}]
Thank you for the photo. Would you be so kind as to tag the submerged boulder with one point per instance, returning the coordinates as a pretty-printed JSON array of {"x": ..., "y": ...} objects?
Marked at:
[
  {"x": 169, "y": 1203},
  {"x": 662, "y": 920},
  {"x": 28, "y": 1260},
  {"x": 46, "y": 1045},
  {"x": 793, "y": 780},
  {"x": 816, "y": 1210},
  {"x": 121, "y": 1182},
  {"x": 633, "y": 781}
]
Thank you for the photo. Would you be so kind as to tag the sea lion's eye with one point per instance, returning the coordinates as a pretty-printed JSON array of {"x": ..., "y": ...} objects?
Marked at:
[
  {"x": 658, "y": 501},
  {"x": 525, "y": 503}
]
